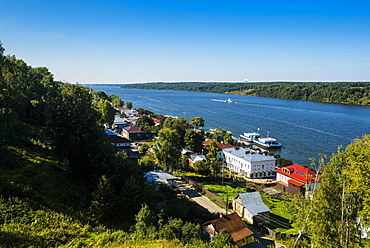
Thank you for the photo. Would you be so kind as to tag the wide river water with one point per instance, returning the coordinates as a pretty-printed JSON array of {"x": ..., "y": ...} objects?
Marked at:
[{"x": 304, "y": 128}]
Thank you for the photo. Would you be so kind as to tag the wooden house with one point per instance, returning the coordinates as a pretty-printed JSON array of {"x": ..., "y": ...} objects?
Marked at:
[
  {"x": 251, "y": 207},
  {"x": 233, "y": 223}
]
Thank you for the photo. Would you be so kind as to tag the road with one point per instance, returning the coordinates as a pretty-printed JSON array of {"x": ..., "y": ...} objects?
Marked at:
[{"x": 199, "y": 198}]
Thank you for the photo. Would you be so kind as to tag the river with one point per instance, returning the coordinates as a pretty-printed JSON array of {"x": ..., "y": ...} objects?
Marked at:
[{"x": 304, "y": 128}]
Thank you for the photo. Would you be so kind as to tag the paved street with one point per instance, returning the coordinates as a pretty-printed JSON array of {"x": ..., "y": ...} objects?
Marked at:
[{"x": 199, "y": 198}]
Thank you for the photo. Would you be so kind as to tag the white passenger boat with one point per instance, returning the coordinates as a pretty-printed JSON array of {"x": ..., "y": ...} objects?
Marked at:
[{"x": 267, "y": 142}]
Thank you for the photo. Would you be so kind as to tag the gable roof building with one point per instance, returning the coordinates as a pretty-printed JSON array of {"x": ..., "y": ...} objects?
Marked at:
[
  {"x": 233, "y": 223},
  {"x": 194, "y": 158},
  {"x": 160, "y": 177},
  {"x": 250, "y": 206},
  {"x": 119, "y": 141},
  {"x": 135, "y": 132},
  {"x": 296, "y": 179}
]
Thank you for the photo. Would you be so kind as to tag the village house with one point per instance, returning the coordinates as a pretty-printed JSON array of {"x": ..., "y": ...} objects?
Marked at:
[
  {"x": 121, "y": 143},
  {"x": 119, "y": 123},
  {"x": 251, "y": 207},
  {"x": 194, "y": 158},
  {"x": 159, "y": 177},
  {"x": 135, "y": 132},
  {"x": 296, "y": 179},
  {"x": 233, "y": 223},
  {"x": 248, "y": 162}
]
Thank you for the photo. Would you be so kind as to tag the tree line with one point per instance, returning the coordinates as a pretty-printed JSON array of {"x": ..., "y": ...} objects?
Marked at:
[{"x": 356, "y": 93}]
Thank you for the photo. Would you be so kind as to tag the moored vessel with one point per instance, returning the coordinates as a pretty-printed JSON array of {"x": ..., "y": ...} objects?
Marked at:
[{"x": 266, "y": 142}]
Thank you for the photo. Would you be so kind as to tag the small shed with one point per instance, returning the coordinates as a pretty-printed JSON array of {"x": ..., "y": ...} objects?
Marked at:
[
  {"x": 250, "y": 206},
  {"x": 160, "y": 177}
]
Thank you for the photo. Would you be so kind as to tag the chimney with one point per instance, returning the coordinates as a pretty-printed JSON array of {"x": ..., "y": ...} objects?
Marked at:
[{"x": 246, "y": 152}]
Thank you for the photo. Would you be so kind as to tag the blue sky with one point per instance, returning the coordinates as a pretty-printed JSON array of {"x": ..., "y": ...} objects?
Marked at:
[{"x": 97, "y": 41}]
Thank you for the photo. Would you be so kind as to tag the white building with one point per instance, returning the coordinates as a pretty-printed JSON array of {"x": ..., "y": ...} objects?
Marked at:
[{"x": 248, "y": 162}]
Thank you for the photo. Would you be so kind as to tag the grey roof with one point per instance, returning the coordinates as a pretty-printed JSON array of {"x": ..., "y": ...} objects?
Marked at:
[
  {"x": 196, "y": 158},
  {"x": 159, "y": 177},
  {"x": 119, "y": 120},
  {"x": 184, "y": 151},
  {"x": 248, "y": 154},
  {"x": 253, "y": 202}
]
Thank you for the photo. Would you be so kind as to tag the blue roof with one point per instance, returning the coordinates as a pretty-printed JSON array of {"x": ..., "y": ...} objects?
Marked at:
[{"x": 110, "y": 132}]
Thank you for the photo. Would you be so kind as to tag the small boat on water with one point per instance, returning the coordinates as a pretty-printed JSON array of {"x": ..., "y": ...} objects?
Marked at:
[
  {"x": 267, "y": 142},
  {"x": 228, "y": 100}
]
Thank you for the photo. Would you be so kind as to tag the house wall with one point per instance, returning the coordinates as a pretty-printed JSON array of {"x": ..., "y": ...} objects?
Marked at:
[
  {"x": 123, "y": 144},
  {"x": 289, "y": 188},
  {"x": 238, "y": 208},
  {"x": 248, "y": 216},
  {"x": 282, "y": 178}
]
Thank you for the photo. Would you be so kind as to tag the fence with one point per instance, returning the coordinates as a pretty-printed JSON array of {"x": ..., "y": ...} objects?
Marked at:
[{"x": 207, "y": 192}]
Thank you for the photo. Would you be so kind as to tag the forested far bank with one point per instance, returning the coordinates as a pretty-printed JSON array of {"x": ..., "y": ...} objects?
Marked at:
[{"x": 355, "y": 93}]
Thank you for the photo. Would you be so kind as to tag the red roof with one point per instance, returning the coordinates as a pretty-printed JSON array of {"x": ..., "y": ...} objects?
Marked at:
[
  {"x": 299, "y": 173},
  {"x": 292, "y": 181},
  {"x": 219, "y": 145},
  {"x": 156, "y": 120},
  {"x": 118, "y": 107}
]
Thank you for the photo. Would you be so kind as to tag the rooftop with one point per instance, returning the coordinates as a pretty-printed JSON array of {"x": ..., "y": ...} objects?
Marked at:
[
  {"x": 253, "y": 202},
  {"x": 234, "y": 224},
  {"x": 300, "y": 173},
  {"x": 248, "y": 154}
]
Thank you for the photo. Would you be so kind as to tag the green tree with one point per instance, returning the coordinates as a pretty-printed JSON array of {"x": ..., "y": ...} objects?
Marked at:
[
  {"x": 197, "y": 122},
  {"x": 75, "y": 133},
  {"x": 145, "y": 226},
  {"x": 212, "y": 162},
  {"x": 201, "y": 167},
  {"x": 167, "y": 149},
  {"x": 116, "y": 101},
  {"x": 129, "y": 105},
  {"x": 179, "y": 125},
  {"x": 340, "y": 206},
  {"x": 106, "y": 111},
  {"x": 145, "y": 122},
  {"x": 193, "y": 140},
  {"x": 325, "y": 211},
  {"x": 223, "y": 239},
  {"x": 102, "y": 206}
]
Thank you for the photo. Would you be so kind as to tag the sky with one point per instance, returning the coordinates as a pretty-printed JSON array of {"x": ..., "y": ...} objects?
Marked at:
[{"x": 100, "y": 41}]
